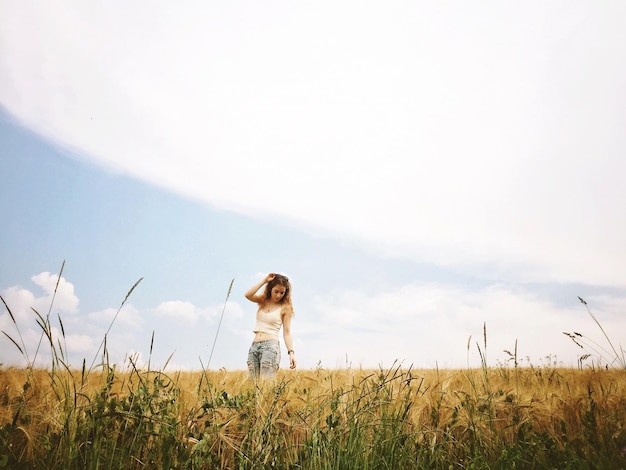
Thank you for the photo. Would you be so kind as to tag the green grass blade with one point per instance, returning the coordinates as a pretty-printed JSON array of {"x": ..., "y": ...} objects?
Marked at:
[
  {"x": 56, "y": 287},
  {"x": 8, "y": 310},
  {"x": 19, "y": 333},
  {"x": 131, "y": 290},
  {"x": 168, "y": 360},
  {"x": 103, "y": 343},
  {"x": 230, "y": 288},
  {"x": 13, "y": 341}
]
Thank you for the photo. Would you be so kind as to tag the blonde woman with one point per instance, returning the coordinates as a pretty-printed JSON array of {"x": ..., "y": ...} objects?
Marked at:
[{"x": 274, "y": 310}]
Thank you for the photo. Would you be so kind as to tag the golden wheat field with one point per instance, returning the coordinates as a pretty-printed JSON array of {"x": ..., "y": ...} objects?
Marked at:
[{"x": 532, "y": 417}]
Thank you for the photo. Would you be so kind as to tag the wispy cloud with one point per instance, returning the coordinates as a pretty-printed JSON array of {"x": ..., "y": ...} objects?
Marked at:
[
  {"x": 23, "y": 300},
  {"x": 483, "y": 141},
  {"x": 480, "y": 138},
  {"x": 430, "y": 324},
  {"x": 183, "y": 311},
  {"x": 126, "y": 317}
]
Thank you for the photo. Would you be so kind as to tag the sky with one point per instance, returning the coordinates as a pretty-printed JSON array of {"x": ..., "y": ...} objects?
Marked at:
[{"x": 424, "y": 172}]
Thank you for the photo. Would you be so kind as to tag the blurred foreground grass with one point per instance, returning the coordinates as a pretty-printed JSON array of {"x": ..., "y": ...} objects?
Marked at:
[{"x": 485, "y": 418}]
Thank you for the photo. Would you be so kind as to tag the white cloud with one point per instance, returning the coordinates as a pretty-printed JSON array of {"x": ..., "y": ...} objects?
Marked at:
[
  {"x": 184, "y": 311},
  {"x": 81, "y": 335},
  {"x": 19, "y": 301},
  {"x": 429, "y": 324},
  {"x": 132, "y": 360},
  {"x": 64, "y": 300},
  {"x": 77, "y": 337},
  {"x": 79, "y": 344},
  {"x": 476, "y": 137},
  {"x": 126, "y": 317},
  {"x": 178, "y": 309},
  {"x": 25, "y": 331}
]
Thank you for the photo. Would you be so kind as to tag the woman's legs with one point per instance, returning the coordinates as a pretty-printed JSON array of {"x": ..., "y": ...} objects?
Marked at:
[
  {"x": 254, "y": 362},
  {"x": 263, "y": 359},
  {"x": 270, "y": 359}
]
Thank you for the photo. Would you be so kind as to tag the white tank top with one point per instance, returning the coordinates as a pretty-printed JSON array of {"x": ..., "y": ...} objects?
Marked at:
[{"x": 269, "y": 322}]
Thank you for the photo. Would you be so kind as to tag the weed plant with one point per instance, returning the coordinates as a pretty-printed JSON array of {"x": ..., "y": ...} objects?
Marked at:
[
  {"x": 398, "y": 418},
  {"x": 608, "y": 354}
]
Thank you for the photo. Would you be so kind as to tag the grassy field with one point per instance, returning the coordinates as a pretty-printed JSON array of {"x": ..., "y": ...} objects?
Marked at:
[
  {"x": 398, "y": 418},
  {"x": 507, "y": 417}
]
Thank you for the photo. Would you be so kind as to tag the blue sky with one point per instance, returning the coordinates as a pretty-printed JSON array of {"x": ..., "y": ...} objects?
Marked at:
[{"x": 417, "y": 170}]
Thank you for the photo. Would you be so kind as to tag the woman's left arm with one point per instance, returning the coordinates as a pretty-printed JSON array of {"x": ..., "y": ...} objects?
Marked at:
[{"x": 287, "y": 336}]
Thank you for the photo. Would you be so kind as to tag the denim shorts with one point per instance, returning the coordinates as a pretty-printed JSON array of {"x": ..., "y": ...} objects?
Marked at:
[{"x": 264, "y": 358}]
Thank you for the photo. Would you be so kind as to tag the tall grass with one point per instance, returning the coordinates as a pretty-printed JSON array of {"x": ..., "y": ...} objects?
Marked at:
[
  {"x": 607, "y": 354},
  {"x": 401, "y": 418}
]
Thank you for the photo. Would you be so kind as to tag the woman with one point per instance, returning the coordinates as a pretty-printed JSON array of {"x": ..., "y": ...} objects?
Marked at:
[{"x": 275, "y": 310}]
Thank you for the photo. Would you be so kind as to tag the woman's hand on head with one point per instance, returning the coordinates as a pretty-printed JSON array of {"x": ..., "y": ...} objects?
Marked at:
[{"x": 270, "y": 277}]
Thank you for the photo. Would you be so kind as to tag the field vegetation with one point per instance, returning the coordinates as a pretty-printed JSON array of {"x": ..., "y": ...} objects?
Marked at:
[
  {"x": 505, "y": 417},
  {"x": 315, "y": 419}
]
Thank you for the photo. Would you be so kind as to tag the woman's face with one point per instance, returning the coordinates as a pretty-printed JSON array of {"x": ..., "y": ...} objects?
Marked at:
[{"x": 278, "y": 293}]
